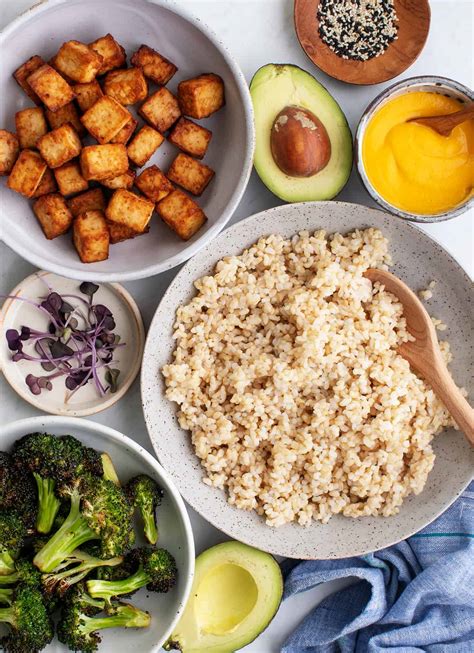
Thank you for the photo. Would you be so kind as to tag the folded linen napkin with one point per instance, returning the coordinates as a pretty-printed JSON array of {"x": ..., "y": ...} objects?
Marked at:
[{"x": 415, "y": 596}]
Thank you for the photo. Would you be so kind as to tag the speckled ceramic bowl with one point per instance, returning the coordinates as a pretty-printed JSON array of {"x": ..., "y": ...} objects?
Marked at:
[
  {"x": 417, "y": 260},
  {"x": 175, "y": 529},
  {"x": 429, "y": 84}
]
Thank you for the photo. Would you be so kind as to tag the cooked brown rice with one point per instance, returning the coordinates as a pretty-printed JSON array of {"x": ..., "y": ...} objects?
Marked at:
[{"x": 287, "y": 375}]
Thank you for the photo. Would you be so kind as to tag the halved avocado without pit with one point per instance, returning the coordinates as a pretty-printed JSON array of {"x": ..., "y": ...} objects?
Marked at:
[
  {"x": 303, "y": 142},
  {"x": 236, "y": 592}
]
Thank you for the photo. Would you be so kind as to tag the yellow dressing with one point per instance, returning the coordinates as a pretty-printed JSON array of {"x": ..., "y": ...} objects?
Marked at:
[{"x": 413, "y": 167}]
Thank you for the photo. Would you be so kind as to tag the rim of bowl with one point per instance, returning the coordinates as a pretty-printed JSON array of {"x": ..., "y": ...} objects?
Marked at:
[
  {"x": 107, "y": 401},
  {"x": 188, "y": 251},
  {"x": 371, "y": 109},
  {"x": 30, "y": 423}
]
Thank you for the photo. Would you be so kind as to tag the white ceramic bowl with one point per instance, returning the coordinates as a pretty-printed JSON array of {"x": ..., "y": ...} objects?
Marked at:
[
  {"x": 195, "y": 49},
  {"x": 86, "y": 401},
  {"x": 175, "y": 528},
  {"x": 417, "y": 259}
]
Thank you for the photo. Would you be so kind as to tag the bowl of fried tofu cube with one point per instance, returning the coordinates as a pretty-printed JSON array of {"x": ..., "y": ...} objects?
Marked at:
[{"x": 126, "y": 137}]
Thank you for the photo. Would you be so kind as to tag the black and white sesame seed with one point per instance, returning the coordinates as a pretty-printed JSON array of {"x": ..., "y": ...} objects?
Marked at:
[{"x": 357, "y": 29}]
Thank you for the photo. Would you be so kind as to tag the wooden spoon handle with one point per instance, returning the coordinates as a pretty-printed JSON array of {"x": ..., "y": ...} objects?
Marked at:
[
  {"x": 445, "y": 124},
  {"x": 451, "y": 396}
]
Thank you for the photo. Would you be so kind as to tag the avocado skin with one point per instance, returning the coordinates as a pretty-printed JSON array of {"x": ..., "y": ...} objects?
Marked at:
[
  {"x": 187, "y": 636},
  {"x": 267, "y": 103}
]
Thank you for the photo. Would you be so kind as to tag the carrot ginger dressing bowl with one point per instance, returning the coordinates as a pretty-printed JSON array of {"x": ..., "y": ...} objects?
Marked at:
[{"x": 409, "y": 169}]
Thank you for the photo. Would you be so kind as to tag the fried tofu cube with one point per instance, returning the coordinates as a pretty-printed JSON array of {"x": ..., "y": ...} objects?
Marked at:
[
  {"x": 90, "y": 201},
  {"x": 129, "y": 209},
  {"x": 27, "y": 173},
  {"x": 30, "y": 126},
  {"x": 127, "y": 86},
  {"x": 78, "y": 61},
  {"x": 112, "y": 53},
  {"x": 69, "y": 179},
  {"x": 87, "y": 94},
  {"x": 122, "y": 181},
  {"x": 24, "y": 71},
  {"x": 161, "y": 110},
  {"x": 67, "y": 113},
  {"x": 144, "y": 145},
  {"x": 51, "y": 88},
  {"x": 190, "y": 174},
  {"x": 46, "y": 185},
  {"x": 190, "y": 137},
  {"x": 120, "y": 232},
  {"x": 9, "y": 150},
  {"x": 60, "y": 145},
  {"x": 125, "y": 134},
  {"x": 159, "y": 69},
  {"x": 105, "y": 119},
  {"x": 200, "y": 96},
  {"x": 154, "y": 184},
  {"x": 91, "y": 236},
  {"x": 53, "y": 215},
  {"x": 181, "y": 213},
  {"x": 100, "y": 162}
]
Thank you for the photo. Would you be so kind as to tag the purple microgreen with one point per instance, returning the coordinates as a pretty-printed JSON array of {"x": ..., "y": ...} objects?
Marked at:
[
  {"x": 88, "y": 288},
  {"x": 111, "y": 377},
  {"x": 77, "y": 344},
  {"x": 13, "y": 340},
  {"x": 59, "y": 349}
]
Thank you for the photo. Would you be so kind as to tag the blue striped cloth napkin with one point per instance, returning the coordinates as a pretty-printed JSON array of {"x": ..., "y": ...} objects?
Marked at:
[{"x": 415, "y": 596}]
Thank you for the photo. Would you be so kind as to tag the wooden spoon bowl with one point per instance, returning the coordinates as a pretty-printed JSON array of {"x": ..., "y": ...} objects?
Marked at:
[
  {"x": 424, "y": 354},
  {"x": 413, "y": 27}
]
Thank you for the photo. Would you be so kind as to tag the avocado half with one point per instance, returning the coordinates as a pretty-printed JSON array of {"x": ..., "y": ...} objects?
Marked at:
[
  {"x": 276, "y": 86},
  {"x": 235, "y": 594}
]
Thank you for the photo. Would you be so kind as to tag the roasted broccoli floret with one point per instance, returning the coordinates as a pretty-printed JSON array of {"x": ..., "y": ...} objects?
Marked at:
[
  {"x": 6, "y": 595},
  {"x": 17, "y": 491},
  {"x": 108, "y": 469},
  {"x": 12, "y": 536},
  {"x": 99, "y": 511},
  {"x": 73, "y": 569},
  {"x": 146, "y": 496},
  {"x": 53, "y": 461},
  {"x": 31, "y": 626},
  {"x": 155, "y": 568},
  {"x": 23, "y": 572},
  {"x": 79, "y": 630}
]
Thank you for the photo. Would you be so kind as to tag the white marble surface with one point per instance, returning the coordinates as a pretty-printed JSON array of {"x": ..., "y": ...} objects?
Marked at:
[{"x": 258, "y": 32}]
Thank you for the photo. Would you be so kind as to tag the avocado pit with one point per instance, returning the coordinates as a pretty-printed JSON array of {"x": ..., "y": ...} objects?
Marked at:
[{"x": 299, "y": 142}]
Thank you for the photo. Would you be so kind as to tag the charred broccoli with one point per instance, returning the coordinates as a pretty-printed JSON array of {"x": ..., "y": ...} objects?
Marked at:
[
  {"x": 53, "y": 461},
  {"x": 99, "y": 511},
  {"x": 79, "y": 630},
  {"x": 17, "y": 491},
  {"x": 146, "y": 496},
  {"x": 155, "y": 568},
  {"x": 12, "y": 537},
  {"x": 23, "y": 572},
  {"x": 73, "y": 569},
  {"x": 31, "y": 626}
]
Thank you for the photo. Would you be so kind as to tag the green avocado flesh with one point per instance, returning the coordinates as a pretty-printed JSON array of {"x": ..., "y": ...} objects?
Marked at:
[
  {"x": 276, "y": 86},
  {"x": 236, "y": 593}
]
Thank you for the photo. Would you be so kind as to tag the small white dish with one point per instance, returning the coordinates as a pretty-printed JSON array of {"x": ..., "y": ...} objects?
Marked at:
[
  {"x": 176, "y": 535},
  {"x": 417, "y": 259},
  {"x": 195, "y": 49},
  {"x": 86, "y": 401}
]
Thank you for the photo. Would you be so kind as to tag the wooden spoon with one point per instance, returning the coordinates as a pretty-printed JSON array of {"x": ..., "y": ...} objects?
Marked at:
[
  {"x": 445, "y": 124},
  {"x": 424, "y": 354}
]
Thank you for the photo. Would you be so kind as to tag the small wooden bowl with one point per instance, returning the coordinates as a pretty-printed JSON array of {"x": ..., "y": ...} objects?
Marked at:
[{"x": 413, "y": 28}]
